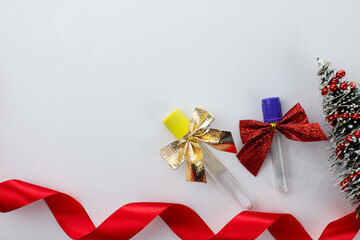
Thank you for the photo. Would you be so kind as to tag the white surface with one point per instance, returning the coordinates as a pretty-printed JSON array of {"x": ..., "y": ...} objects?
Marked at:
[{"x": 84, "y": 86}]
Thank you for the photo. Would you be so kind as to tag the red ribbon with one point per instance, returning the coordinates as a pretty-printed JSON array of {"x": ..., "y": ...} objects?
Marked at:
[
  {"x": 130, "y": 219},
  {"x": 257, "y": 136}
]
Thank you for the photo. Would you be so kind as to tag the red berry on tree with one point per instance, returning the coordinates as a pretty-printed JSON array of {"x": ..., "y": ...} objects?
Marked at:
[
  {"x": 340, "y": 155},
  {"x": 345, "y": 115},
  {"x": 340, "y": 74},
  {"x": 344, "y": 183},
  {"x": 324, "y": 91},
  {"x": 351, "y": 176},
  {"x": 358, "y": 173},
  {"x": 336, "y": 116},
  {"x": 343, "y": 86},
  {"x": 355, "y": 116},
  {"x": 348, "y": 138},
  {"x": 334, "y": 81},
  {"x": 342, "y": 145},
  {"x": 333, "y": 87},
  {"x": 357, "y": 134},
  {"x": 352, "y": 85},
  {"x": 337, "y": 150},
  {"x": 331, "y": 118}
]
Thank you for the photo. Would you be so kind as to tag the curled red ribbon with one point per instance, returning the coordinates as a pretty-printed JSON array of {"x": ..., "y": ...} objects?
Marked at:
[
  {"x": 257, "y": 136},
  {"x": 130, "y": 219}
]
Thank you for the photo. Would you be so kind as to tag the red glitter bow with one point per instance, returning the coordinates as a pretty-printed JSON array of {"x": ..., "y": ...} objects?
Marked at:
[{"x": 257, "y": 136}]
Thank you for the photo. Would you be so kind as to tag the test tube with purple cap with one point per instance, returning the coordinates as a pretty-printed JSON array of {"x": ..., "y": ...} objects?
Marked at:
[{"x": 272, "y": 114}]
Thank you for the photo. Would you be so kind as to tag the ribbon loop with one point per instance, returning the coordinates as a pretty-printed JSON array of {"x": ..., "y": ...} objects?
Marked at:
[
  {"x": 257, "y": 136},
  {"x": 188, "y": 147}
]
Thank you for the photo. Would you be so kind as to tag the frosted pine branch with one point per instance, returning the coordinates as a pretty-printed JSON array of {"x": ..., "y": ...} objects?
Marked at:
[{"x": 341, "y": 107}]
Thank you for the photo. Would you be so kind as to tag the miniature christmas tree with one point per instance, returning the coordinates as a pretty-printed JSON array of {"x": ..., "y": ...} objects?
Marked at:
[{"x": 341, "y": 106}]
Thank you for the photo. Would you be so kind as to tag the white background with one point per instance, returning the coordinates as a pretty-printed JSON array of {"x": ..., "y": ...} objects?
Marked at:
[{"x": 84, "y": 86}]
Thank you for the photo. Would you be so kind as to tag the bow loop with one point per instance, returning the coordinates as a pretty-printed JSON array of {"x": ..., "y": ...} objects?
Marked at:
[
  {"x": 200, "y": 120},
  {"x": 189, "y": 148},
  {"x": 257, "y": 136},
  {"x": 220, "y": 140},
  {"x": 296, "y": 115},
  {"x": 251, "y": 129},
  {"x": 309, "y": 132},
  {"x": 175, "y": 153}
]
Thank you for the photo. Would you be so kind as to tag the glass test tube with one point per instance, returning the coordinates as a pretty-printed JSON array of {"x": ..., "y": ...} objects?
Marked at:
[
  {"x": 178, "y": 125},
  {"x": 272, "y": 114},
  {"x": 279, "y": 164},
  {"x": 224, "y": 178}
]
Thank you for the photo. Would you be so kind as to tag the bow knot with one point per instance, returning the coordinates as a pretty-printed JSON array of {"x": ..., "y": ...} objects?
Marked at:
[
  {"x": 273, "y": 126},
  {"x": 189, "y": 146},
  {"x": 257, "y": 136}
]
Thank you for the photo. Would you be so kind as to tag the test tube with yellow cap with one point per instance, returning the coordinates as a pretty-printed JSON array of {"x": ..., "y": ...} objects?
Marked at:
[{"x": 178, "y": 125}]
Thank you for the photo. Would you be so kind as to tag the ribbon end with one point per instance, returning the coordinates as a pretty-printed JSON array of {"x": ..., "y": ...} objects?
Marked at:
[
  {"x": 249, "y": 164},
  {"x": 203, "y": 180},
  {"x": 195, "y": 172}
]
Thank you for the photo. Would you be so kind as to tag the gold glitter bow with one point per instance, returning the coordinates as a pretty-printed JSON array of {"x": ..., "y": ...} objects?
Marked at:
[{"x": 189, "y": 147}]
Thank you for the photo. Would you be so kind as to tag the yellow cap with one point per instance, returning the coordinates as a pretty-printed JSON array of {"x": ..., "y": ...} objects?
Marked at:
[{"x": 177, "y": 124}]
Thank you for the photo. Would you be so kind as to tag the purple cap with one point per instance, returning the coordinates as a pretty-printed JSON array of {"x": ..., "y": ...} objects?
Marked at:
[{"x": 271, "y": 109}]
